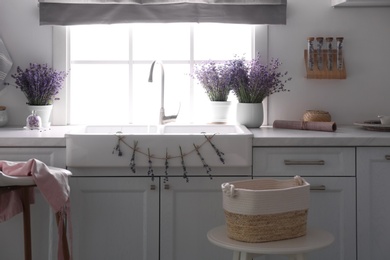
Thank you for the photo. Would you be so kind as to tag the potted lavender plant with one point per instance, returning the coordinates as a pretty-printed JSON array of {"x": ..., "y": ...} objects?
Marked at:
[
  {"x": 252, "y": 82},
  {"x": 215, "y": 79},
  {"x": 40, "y": 84}
]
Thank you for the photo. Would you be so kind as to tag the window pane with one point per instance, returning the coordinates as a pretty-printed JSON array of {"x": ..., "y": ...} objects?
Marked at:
[
  {"x": 110, "y": 67},
  {"x": 100, "y": 42},
  {"x": 222, "y": 41},
  {"x": 99, "y": 94},
  {"x": 161, "y": 42}
]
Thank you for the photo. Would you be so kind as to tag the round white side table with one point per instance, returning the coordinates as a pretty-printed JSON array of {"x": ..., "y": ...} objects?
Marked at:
[{"x": 295, "y": 248}]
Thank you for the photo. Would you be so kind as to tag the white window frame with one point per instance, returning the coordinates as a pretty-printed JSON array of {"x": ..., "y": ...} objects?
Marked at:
[{"x": 61, "y": 57}]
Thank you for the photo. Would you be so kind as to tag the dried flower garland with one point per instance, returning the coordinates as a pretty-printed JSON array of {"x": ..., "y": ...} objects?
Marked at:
[{"x": 135, "y": 149}]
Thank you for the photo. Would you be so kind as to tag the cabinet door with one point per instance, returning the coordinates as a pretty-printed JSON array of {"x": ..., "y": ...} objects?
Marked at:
[
  {"x": 114, "y": 218},
  {"x": 373, "y": 208},
  {"x": 188, "y": 212},
  {"x": 332, "y": 208}
]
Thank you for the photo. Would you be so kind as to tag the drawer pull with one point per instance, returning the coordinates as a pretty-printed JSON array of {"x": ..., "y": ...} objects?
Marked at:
[
  {"x": 166, "y": 186},
  {"x": 387, "y": 157},
  {"x": 317, "y": 187},
  {"x": 291, "y": 162},
  {"x": 152, "y": 187}
]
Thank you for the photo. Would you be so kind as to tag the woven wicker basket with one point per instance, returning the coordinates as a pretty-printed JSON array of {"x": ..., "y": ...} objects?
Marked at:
[
  {"x": 316, "y": 116},
  {"x": 265, "y": 210}
]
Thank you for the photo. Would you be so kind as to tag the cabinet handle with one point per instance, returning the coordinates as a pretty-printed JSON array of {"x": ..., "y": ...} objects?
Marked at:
[
  {"x": 387, "y": 157},
  {"x": 318, "y": 187},
  {"x": 152, "y": 187},
  {"x": 292, "y": 162},
  {"x": 166, "y": 186}
]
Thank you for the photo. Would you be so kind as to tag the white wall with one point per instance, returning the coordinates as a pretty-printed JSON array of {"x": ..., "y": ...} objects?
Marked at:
[
  {"x": 365, "y": 92},
  {"x": 27, "y": 42},
  {"x": 362, "y": 96}
]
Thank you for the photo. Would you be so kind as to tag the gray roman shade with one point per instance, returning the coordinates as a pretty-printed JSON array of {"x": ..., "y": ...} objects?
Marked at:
[{"x": 72, "y": 12}]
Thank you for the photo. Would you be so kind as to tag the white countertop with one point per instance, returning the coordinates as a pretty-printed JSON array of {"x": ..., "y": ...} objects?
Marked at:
[
  {"x": 21, "y": 137},
  {"x": 343, "y": 136},
  {"x": 264, "y": 136}
]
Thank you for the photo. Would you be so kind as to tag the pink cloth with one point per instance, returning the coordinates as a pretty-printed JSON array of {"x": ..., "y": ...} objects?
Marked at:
[{"x": 53, "y": 185}]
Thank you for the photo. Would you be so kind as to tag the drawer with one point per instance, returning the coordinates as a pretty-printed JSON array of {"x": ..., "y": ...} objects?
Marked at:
[{"x": 304, "y": 161}]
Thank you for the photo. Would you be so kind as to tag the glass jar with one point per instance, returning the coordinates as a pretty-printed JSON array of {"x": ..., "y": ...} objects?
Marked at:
[
  {"x": 320, "y": 62},
  {"x": 329, "y": 41},
  {"x": 310, "y": 53},
  {"x": 340, "y": 59},
  {"x": 33, "y": 121},
  {"x": 3, "y": 116}
]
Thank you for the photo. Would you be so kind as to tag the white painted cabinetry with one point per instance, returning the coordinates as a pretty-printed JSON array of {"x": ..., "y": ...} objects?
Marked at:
[
  {"x": 373, "y": 207},
  {"x": 137, "y": 218},
  {"x": 115, "y": 218},
  {"x": 331, "y": 173},
  {"x": 188, "y": 212},
  {"x": 11, "y": 231}
]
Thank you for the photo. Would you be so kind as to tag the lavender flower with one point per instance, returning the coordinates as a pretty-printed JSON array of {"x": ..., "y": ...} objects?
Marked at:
[
  {"x": 253, "y": 81},
  {"x": 39, "y": 83},
  {"x": 215, "y": 79}
]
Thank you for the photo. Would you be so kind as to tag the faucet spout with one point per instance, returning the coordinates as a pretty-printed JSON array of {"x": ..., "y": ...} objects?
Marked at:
[{"x": 163, "y": 119}]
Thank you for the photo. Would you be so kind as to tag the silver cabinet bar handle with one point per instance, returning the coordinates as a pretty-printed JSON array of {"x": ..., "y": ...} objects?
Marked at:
[
  {"x": 292, "y": 162},
  {"x": 152, "y": 187},
  {"x": 387, "y": 157},
  {"x": 317, "y": 187}
]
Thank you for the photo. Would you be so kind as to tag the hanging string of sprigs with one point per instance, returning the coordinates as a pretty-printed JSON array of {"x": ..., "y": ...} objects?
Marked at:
[{"x": 135, "y": 149}]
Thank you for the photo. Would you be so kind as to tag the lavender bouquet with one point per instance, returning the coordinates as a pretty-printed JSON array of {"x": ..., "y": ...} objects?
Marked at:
[
  {"x": 253, "y": 81},
  {"x": 215, "y": 79},
  {"x": 39, "y": 83}
]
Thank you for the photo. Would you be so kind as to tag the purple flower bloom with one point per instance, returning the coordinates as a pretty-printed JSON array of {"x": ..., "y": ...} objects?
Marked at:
[
  {"x": 253, "y": 81},
  {"x": 39, "y": 83},
  {"x": 215, "y": 79}
]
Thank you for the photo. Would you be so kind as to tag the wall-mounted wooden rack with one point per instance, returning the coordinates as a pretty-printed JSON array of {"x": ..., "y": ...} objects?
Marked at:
[{"x": 325, "y": 73}]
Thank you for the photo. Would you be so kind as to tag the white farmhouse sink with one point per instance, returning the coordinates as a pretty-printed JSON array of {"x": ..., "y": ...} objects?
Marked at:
[
  {"x": 93, "y": 146},
  {"x": 165, "y": 129}
]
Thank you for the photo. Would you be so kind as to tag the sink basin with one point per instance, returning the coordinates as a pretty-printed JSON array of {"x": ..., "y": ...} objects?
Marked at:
[
  {"x": 95, "y": 146},
  {"x": 165, "y": 129}
]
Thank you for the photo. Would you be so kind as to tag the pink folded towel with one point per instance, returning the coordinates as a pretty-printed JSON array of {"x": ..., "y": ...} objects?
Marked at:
[{"x": 52, "y": 183}]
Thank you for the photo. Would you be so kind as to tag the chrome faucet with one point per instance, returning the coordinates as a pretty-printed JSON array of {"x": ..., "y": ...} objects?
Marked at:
[{"x": 163, "y": 119}]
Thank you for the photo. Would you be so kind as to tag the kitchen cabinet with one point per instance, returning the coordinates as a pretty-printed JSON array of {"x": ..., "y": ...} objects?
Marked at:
[
  {"x": 188, "y": 212},
  {"x": 331, "y": 174},
  {"x": 137, "y": 218},
  {"x": 11, "y": 231},
  {"x": 115, "y": 218},
  {"x": 373, "y": 208}
]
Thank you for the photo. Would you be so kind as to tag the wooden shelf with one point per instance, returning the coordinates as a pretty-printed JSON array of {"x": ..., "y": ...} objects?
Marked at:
[{"x": 325, "y": 73}]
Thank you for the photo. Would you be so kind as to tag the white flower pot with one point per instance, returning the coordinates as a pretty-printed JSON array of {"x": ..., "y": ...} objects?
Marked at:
[
  {"x": 250, "y": 114},
  {"x": 219, "y": 111},
  {"x": 43, "y": 112}
]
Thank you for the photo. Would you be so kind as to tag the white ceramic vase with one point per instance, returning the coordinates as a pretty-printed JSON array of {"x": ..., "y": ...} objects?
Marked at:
[
  {"x": 3, "y": 116},
  {"x": 43, "y": 112},
  {"x": 219, "y": 111},
  {"x": 250, "y": 114}
]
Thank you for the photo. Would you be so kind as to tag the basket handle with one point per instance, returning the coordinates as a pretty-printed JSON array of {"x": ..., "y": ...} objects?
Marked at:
[
  {"x": 299, "y": 180},
  {"x": 228, "y": 189}
]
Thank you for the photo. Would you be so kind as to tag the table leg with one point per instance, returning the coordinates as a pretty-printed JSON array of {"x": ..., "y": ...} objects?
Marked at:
[{"x": 26, "y": 223}]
